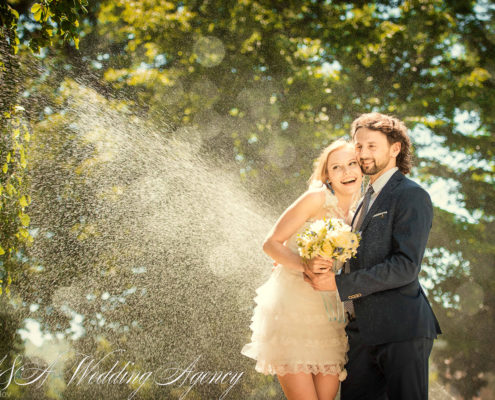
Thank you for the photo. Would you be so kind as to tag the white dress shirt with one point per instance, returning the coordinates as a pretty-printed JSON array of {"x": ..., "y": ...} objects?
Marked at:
[{"x": 380, "y": 183}]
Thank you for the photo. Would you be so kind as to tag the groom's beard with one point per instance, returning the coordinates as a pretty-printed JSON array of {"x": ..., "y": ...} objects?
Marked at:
[{"x": 372, "y": 168}]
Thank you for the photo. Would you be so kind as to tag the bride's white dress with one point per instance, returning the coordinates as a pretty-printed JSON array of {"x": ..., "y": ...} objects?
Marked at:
[{"x": 292, "y": 329}]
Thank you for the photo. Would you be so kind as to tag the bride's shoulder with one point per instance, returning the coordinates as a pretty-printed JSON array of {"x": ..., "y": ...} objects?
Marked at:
[
  {"x": 321, "y": 196},
  {"x": 317, "y": 189},
  {"x": 314, "y": 195},
  {"x": 327, "y": 199}
]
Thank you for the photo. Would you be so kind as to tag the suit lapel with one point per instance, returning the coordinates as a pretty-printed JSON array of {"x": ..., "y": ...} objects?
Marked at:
[{"x": 394, "y": 180}]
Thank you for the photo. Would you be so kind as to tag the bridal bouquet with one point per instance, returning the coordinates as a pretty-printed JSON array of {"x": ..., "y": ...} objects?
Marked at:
[
  {"x": 332, "y": 239},
  {"x": 329, "y": 238}
]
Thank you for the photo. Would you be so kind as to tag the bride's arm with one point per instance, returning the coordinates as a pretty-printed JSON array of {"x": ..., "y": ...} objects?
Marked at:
[{"x": 289, "y": 222}]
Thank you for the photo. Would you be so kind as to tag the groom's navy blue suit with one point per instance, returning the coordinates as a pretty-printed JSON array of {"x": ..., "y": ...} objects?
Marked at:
[{"x": 394, "y": 327}]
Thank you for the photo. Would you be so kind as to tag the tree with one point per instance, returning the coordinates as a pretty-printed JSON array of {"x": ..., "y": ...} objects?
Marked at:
[
  {"x": 48, "y": 15},
  {"x": 15, "y": 135},
  {"x": 267, "y": 84},
  {"x": 276, "y": 81}
]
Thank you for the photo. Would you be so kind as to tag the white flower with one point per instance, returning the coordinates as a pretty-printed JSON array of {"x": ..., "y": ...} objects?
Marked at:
[{"x": 318, "y": 225}]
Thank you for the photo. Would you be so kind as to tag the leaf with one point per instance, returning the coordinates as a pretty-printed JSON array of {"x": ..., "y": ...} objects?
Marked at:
[
  {"x": 46, "y": 15},
  {"x": 36, "y": 9},
  {"x": 76, "y": 42},
  {"x": 2, "y": 251},
  {"x": 24, "y": 219},
  {"x": 10, "y": 189},
  {"x": 24, "y": 232},
  {"x": 23, "y": 202},
  {"x": 5, "y": 168}
]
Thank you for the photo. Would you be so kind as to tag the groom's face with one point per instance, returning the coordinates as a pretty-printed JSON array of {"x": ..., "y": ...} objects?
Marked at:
[{"x": 374, "y": 152}]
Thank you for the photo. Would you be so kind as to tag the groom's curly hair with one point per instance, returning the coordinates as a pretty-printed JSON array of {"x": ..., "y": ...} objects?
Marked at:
[{"x": 394, "y": 129}]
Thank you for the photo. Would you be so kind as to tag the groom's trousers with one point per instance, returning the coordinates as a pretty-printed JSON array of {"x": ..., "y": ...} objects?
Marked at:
[{"x": 390, "y": 371}]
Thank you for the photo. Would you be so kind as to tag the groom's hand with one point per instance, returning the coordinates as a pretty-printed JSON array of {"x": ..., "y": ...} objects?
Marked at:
[{"x": 322, "y": 282}]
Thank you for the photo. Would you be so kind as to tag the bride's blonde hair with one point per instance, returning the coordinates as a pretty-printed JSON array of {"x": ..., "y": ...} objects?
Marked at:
[{"x": 320, "y": 174}]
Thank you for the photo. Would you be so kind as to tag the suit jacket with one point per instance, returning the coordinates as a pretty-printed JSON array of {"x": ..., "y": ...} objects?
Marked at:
[{"x": 389, "y": 303}]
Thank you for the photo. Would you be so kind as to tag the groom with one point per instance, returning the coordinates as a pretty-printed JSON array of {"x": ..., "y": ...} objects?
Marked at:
[{"x": 391, "y": 324}]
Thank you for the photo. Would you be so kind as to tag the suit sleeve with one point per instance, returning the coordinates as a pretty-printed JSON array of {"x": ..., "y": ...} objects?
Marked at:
[{"x": 410, "y": 230}]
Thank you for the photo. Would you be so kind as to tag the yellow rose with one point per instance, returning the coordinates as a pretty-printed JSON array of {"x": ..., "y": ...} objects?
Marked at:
[
  {"x": 344, "y": 240},
  {"x": 326, "y": 249}
]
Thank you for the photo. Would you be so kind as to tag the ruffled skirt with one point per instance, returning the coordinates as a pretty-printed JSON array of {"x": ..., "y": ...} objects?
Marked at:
[{"x": 297, "y": 329}]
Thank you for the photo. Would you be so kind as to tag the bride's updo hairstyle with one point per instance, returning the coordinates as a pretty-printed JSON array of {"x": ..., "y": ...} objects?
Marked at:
[{"x": 320, "y": 174}]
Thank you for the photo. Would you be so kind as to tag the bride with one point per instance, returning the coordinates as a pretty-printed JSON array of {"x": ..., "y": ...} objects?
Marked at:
[{"x": 294, "y": 336}]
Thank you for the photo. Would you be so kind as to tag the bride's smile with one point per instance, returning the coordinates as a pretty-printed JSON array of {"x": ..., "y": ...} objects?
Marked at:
[{"x": 344, "y": 173}]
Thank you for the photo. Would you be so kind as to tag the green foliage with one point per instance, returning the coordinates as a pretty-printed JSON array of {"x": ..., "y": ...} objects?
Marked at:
[
  {"x": 9, "y": 18},
  {"x": 273, "y": 83},
  {"x": 268, "y": 84},
  {"x": 63, "y": 17},
  {"x": 13, "y": 195},
  {"x": 53, "y": 18}
]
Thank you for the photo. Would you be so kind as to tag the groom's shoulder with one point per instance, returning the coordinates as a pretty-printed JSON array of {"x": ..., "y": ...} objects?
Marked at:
[
  {"x": 408, "y": 188},
  {"x": 409, "y": 184}
]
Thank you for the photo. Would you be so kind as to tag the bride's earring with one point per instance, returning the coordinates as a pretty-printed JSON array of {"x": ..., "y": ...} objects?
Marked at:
[{"x": 329, "y": 186}]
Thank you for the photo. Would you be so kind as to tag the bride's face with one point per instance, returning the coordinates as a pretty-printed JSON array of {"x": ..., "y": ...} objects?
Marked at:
[{"x": 344, "y": 172}]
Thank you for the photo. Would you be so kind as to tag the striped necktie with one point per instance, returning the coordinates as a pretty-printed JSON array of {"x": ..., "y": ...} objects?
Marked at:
[{"x": 348, "y": 305}]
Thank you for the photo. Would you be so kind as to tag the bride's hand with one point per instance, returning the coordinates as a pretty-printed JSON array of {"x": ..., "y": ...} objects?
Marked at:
[
  {"x": 319, "y": 265},
  {"x": 275, "y": 265}
]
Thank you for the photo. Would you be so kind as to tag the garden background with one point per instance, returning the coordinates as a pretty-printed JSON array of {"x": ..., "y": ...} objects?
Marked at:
[{"x": 148, "y": 146}]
